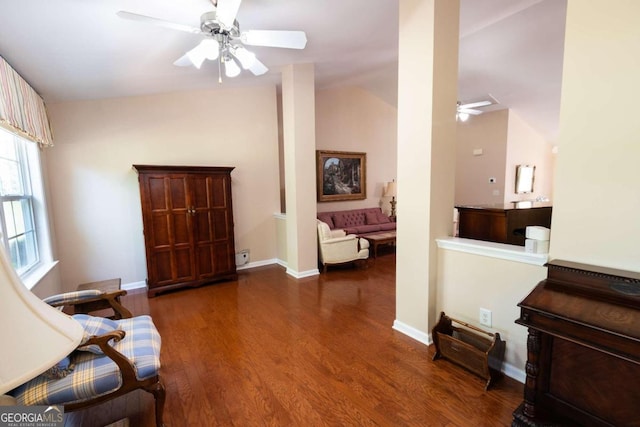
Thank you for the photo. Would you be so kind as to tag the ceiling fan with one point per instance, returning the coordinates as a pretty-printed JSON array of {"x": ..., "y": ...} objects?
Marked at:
[
  {"x": 223, "y": 40},
  {"x": 463, "y": 111}
]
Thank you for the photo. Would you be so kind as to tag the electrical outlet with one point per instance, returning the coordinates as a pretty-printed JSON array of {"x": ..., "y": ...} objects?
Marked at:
[{"x": 485, "y": 317}]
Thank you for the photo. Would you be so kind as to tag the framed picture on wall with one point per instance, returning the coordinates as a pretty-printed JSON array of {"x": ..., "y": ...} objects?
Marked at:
[{"x": 341, "y": 175}]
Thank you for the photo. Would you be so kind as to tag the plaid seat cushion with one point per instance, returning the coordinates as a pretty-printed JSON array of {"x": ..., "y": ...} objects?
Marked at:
[{"x": 97, "y": 374}]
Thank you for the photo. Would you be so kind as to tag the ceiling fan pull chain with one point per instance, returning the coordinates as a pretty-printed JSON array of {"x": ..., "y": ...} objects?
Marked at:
[{"x": 220, "y": 69}]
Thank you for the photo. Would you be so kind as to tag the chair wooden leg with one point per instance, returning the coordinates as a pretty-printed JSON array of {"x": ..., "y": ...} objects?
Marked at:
[{"x": 159, "y": 393}]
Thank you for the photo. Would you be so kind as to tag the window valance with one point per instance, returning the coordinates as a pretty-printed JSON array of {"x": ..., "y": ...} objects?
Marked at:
[{"x": 21, "y": 108}]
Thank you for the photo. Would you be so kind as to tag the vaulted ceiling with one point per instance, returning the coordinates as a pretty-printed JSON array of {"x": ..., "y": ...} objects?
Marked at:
[{"x": 72, "y": 50}]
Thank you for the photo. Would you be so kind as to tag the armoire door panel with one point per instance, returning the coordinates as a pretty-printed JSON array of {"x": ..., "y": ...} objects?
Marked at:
[
  {"x": 180, "y": 227},
  {"x": 200, "y": 186},
  {"x": 218, "y": 193},
  {"x": 161, "y": 271},
  {"x": 205, "y": 260},
  {"x": 224, "y": 258},
  {"x": 203, "y": 232},
  {"x": 183, "y": 263},
  {"x": 220, "y": 224},
  {"x": 178, "y": 192},
  {"x": 157, "y": 196},
  {"x": 159, "y": 234}
]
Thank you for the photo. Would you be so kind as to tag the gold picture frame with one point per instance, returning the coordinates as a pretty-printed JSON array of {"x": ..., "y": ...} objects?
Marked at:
[{"x": 341, "y": 175}]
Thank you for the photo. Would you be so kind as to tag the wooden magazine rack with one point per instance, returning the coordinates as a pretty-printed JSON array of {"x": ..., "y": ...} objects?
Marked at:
[{"x": 479, "y": 351}]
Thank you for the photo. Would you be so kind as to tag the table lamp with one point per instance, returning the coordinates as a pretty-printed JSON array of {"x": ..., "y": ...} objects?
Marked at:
[
  {"x": 390, "y": 191},
  {"x": 34, "y": 335}
]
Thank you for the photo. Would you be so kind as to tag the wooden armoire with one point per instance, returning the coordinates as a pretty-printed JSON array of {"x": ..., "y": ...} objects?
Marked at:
[{"x": 188, "y": 225}]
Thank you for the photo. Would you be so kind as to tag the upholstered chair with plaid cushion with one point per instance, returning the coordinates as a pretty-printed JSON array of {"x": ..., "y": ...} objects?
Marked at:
[{"x": 114, "y": 358}]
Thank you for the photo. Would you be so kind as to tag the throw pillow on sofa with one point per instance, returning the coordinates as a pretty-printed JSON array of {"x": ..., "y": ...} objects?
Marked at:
[
  {"x": 382, "y": 218},
  {"x": 339, "y": 221},
  {"x": 371, "y": 218}
]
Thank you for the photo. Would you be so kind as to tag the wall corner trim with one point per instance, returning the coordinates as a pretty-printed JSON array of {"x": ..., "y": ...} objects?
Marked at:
[{"x": 493, "y": 250}]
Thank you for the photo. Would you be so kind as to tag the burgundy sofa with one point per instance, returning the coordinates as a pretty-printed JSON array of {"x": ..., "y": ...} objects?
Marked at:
[{"x": 358, "y": 221}]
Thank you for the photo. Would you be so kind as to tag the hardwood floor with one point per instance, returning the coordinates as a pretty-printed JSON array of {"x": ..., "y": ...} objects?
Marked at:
[{"x": 271, "y": 350}]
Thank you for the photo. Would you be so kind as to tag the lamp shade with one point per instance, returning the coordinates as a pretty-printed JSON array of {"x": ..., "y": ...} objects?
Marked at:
[
  {"x": 34, "y": 335},
  {"x": 391, "y": 189}
]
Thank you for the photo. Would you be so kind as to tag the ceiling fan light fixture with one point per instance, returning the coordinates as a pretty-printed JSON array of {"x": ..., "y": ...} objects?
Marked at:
[
  {"x": 206, "y": 49},
  {"x": 210, "y": 48},
  {"x": 231, "y": 69},
  {"x": 246, "y": 58},
  {"x": 463, "y": 117}
]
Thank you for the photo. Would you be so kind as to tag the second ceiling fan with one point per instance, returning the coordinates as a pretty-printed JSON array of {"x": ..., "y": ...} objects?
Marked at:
[
  {"x": 463, "y": 111},
  {"x": 223, "y": 41}
]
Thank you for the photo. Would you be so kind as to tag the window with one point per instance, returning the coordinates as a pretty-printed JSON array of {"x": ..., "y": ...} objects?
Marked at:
[{"x": 19, "y": 216}]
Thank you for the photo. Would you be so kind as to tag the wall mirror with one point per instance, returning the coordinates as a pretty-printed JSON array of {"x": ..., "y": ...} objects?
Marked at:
[{"x": 524, "y": 178}]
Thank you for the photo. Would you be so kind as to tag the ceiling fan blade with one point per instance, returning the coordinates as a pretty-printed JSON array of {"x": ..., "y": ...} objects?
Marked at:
[
  {"x": 226, "y": 11},
  {"x": 159, "y": 22},
  {"x": 468, "y": 111},
  {"x": 183, "y": 61},
  {"x": 258, "y": 68},
  {"x": 271, "y": 38},
  {"x": 476, "y": 104}
]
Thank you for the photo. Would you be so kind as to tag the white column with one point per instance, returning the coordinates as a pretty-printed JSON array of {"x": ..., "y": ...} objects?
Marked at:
[
  {"x": 298, "y": 119},
  {"x": 427, "y": 92}
]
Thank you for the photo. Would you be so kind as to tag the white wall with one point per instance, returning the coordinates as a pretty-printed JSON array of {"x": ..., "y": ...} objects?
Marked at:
[
  {"x": 527, "y": 147},
  {"x": 506, "y": 141},
  {"x": 486, "y": 132},
  {"x": 597, "y": 201},
  {"x": 94, "y": 190},
  {"x": 495, "y": 284},
  {"x": 352, "y": 119}
]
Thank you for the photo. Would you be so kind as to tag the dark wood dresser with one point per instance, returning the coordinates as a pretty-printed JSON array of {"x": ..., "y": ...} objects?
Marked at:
[
  {"x": 583, "y": 348},
  {"x": 188, "y": 225},
  {"x": 502, "y": 223}
]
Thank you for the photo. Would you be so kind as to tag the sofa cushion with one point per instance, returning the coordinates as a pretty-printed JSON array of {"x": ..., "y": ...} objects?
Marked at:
[
  {"x": 362, "y": 229},
  {"x": 371, "y": 218},
  {"x": 388, "y": 226}
]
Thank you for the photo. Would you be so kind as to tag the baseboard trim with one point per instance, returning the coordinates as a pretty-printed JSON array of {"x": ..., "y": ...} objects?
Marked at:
[
  {"x": 257, "y": 264},
  {"x": 302, "y": 274},
  {"x": 513, "y": 372},
  {"x": 412, "y": 332},
  {"x": 133, "y": 285}
]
